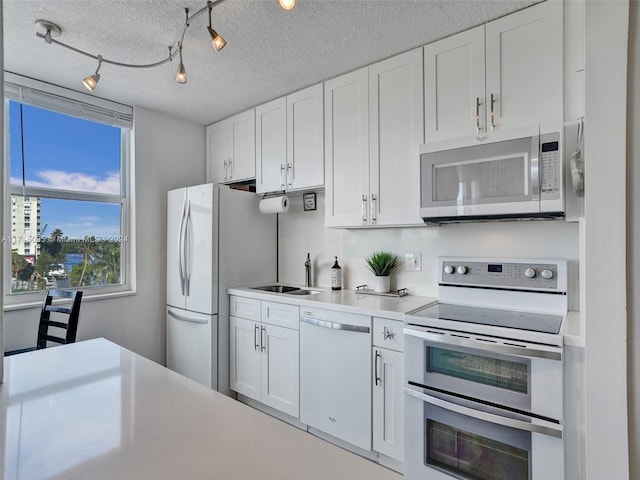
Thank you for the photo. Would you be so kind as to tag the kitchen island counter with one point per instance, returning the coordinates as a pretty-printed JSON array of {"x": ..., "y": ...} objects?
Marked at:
[{"x": 94, "y": 410}]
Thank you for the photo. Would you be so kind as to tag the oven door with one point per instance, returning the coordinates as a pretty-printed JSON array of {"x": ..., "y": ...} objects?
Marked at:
[
  {"x": 513, "y": 374},
  {"x": 448, "y": 437}
]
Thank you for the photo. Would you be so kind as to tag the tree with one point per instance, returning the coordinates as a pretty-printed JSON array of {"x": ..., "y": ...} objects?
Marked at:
[{"x": 53, "y": 246}]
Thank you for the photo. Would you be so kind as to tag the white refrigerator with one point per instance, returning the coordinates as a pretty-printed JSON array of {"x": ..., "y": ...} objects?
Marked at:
[{"x": 216, "y": 239}]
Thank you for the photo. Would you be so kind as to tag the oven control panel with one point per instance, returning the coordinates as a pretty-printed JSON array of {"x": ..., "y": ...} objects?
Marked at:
[{"x": 497, "y": 273}]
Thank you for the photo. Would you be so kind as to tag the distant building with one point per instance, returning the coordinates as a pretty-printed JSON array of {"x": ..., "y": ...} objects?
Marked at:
[{"x": 25, "y": 225}]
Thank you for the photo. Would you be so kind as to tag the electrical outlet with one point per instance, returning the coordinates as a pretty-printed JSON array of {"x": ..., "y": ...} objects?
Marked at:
[{"x": 413, "y": 261}]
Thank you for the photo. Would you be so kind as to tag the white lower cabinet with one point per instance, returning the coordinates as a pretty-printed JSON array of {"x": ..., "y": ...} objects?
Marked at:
[
  {"x": 265, "y": 363},
  {"x": 388, "y": 399},
  {"x": 388, "y": 403}
]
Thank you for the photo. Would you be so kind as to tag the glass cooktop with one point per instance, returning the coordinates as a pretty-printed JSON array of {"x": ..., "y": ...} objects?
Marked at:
[{"x": 533, "y": 322}]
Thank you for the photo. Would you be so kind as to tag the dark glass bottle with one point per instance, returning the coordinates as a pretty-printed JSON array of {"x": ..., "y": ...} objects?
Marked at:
[{"x": 336, "y": 276}]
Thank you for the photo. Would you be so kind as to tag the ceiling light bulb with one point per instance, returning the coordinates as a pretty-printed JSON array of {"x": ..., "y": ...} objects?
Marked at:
[
  {"x": 287, "y": 4},
  {"x": 91, "y": 81},
  {"x": 181, "y": 74},
  {"x": 216, "y": 40}
]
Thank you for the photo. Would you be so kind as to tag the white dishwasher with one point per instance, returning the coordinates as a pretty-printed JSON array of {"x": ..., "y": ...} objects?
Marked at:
[{"x": 335, "y": 374}]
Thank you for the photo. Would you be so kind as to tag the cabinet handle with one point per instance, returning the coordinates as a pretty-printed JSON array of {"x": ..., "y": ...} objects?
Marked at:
[
  {"x": 282, "y": 175},
  {"x": 230, "y": 169},
  {"x": 364, "y": 209},
  {"x": 478, "y": 115},
  {"x": 225, "y": 170},
  {"x": 387, "y": 333},
  {"x": 263, "y": 343},
  {"x": 493, "y": 100},
  {"x": 289, "y": 169},
  {"x": 378, "y": 379},
  {"x": 255, "y": 337},
  {"x": 374, "y": 206}
]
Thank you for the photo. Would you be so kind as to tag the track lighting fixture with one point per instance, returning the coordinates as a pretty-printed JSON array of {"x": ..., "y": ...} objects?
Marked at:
[
  {"x": 91, "y": 81},
  {"x": 287, "y": 4},
  {"x": 181, "y": 74},
  {"x": 216, "y": 40},
  {"x": 50, "y": 30}
]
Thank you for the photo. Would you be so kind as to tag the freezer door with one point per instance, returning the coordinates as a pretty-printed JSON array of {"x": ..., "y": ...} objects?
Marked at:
[
  {"x": 176, "y": 210},
  {"x": 191, "y": 340},
  {"x": 199, "y": 250}
]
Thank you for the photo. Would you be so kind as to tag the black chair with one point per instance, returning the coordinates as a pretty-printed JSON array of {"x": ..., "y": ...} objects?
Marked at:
[{"x": 70, "y": 323}]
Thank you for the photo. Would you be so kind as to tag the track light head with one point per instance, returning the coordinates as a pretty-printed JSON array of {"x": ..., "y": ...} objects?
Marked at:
[
  {"x": 91, "y": 81},
  {"x": 181, "y": 74},
  {"x": 216, "y": 40},
  {"x": 287, "y": 4}
]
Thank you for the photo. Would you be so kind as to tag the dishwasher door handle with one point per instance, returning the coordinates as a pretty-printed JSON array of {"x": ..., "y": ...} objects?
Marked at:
[{"x": 335, "y": 325}]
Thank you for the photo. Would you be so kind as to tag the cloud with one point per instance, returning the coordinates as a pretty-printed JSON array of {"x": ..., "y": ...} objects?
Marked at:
[{"x": 80, "y": 182}]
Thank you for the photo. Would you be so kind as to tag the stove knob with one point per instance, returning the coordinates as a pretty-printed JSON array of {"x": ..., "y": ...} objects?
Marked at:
[
  {"x": 448, "y": 269},
  {"x": 462, "y": 269},
  {"x": 529, "y": 273},
  {"x": 547, "y": 274}
]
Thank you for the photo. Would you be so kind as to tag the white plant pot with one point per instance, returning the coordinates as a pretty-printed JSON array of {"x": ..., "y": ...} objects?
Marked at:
[{"x": 381, "y": 284}]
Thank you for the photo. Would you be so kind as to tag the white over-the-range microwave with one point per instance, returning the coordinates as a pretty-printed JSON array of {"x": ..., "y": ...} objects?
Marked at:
[{"x": 512, "y": 175}]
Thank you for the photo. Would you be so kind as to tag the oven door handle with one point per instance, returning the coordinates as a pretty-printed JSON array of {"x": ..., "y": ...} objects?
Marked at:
[
  {"x": 493, "y": 347},
  {"x": 485, "y": 416}
]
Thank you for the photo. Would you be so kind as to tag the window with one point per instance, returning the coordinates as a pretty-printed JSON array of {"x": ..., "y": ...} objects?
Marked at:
[{"x": 67, "y": 174}]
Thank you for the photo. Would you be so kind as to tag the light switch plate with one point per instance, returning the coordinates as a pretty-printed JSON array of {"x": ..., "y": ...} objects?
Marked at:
[{"x": 413, "y": 262}]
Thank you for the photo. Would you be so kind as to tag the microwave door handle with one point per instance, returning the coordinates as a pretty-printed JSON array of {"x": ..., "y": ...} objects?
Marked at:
[
  {"x": 486, "y": 416},
  {"x": 535, "y": 168}
]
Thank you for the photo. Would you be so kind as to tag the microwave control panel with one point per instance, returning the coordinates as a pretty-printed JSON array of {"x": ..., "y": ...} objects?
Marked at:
[{"x": 550, "y": 160}]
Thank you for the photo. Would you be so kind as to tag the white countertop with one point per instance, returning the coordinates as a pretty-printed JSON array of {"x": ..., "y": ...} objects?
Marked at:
[
  {"x": 93, "y": 410},
  {"x": 394, "y": 308}
]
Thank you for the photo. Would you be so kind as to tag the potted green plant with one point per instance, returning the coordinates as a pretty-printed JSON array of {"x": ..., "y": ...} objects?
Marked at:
[{"x": 382, "y": 264}]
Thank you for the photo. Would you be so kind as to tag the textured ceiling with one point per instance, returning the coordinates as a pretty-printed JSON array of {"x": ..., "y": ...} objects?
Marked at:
[{"x": 269, "y": 52}]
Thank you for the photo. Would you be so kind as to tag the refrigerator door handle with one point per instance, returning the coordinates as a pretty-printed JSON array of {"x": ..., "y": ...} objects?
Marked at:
[
  {"x": 184, "y": 318},
  {"x": 187, "y": 250},
  {"x": 180, "y": 248}
]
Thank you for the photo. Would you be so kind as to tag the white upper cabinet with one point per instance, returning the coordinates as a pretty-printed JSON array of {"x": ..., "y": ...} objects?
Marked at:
[
  {"x": 520, "y": 55},
  {"x": 289, "y": 142},
  {"x": 395, "y": 133},
  {"x": 271, "y": 146},
  {"x": 373, "y": 128},
  {"x": 346, "y": 138},
  {"x": 231, "y": 151}
]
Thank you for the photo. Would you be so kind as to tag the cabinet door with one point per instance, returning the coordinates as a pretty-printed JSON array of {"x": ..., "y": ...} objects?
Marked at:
[
  {"x": 244, "y": 375},
  {"x": 346, "y": 107},
  {"x": 396, "y": 128},
  {"x": 280, "y": 369},
  {"x": 271, "y": 146},
  {"x": 524, "y": 67},
  {"x": 454, "y": 86},
  {"x": 243, "y": 146},
  {"x": 217, "y": 152},
  {"x": 305, "y": 138},
  {"x": 388, "y": 403}
]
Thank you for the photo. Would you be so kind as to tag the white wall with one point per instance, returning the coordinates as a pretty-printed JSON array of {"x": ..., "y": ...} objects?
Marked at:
[
  {"x": 169, "y": 153},
  {"x": 301, "y": 232}
]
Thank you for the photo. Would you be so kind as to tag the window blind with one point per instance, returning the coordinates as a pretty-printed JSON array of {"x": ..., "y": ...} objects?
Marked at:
[{"x": 51, "y": 97}]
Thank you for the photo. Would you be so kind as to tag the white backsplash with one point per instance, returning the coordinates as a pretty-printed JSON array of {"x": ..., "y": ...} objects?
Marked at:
[{"x": 301, "y": 232}]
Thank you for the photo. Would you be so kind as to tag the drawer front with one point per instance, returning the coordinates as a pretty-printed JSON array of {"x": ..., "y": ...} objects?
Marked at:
[
  {"x": 388, "y": 334},
  {"x": 242, "y": 307},
  {"x": 281, "y": 315}
]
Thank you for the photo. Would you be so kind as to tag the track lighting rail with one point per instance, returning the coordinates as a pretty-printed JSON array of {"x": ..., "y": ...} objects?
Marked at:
[{"x": 52, "y": 30}]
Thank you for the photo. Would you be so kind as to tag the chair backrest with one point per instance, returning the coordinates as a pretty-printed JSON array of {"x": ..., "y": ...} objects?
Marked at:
[{"x": 70, "y": 323}]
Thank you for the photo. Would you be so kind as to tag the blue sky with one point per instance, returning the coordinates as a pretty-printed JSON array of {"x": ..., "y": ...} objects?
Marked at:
[{"x": 68, "y": 153}]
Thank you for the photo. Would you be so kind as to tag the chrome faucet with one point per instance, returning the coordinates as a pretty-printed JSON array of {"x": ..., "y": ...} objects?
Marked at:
[{"x": 307, "y": 268}]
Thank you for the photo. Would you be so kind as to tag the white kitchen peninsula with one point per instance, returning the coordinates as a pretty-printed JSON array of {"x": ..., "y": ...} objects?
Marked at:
[{"x": 94, "y": 410}]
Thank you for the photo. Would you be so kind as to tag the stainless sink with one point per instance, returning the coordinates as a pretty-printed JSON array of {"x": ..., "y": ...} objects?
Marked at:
[
  {"x": 276, "y": 288},
  {"x": 285, "y": 289}
]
